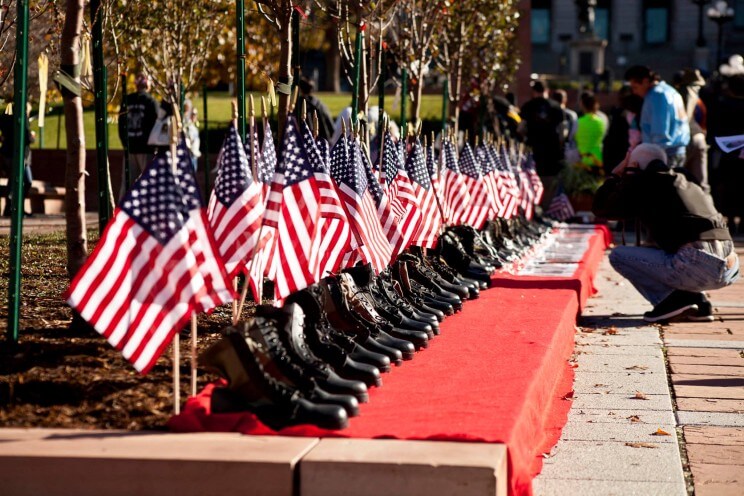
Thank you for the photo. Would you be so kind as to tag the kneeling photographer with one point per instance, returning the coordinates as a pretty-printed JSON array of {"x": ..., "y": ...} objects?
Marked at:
[{"x": 691, "y": 250}]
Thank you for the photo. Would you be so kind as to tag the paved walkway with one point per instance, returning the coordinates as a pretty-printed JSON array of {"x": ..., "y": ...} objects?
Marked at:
[{"x": 628, "y": 432}]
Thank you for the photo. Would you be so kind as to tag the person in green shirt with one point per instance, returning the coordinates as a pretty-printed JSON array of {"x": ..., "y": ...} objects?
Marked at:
[{"x": 590, "y": 133}]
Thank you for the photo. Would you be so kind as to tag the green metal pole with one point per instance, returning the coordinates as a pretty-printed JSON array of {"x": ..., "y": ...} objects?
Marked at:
[
  {"x": 445, "y": 103},
  {"x": 403, "y": 101},
  {"x": 357, "y": 72},
  {"x": 123, "y": 115},
  {"x": 206, "y": 140},
  {"x": 240, "y": 28},
  {"x": 296, "y": 71},
  {"x": 99, "y": 83},
  {"x": 381, "y": 93},
  {"x": 19, "y": 155}
]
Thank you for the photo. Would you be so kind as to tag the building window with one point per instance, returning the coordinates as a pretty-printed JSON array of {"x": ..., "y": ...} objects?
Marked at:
[
  {"x": 602, "y": 19},
  {"x": 656, "y": 21},
  {"x": 738, "y": 6},
  {"x": 540, "y": 22}
]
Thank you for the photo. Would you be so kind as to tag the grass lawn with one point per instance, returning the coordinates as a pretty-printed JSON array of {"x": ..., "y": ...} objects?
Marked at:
[{"x": 220, "y": 111}]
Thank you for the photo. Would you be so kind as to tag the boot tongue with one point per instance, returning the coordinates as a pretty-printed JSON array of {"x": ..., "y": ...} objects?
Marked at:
[{"x": 361, "y": 274}]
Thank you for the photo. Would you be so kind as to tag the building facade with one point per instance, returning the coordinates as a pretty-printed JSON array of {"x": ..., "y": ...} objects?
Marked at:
[{"x": 662, "y": 34}]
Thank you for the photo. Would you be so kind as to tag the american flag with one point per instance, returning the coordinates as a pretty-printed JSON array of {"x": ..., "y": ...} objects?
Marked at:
[
  {"x": 432, "y": 166},
  {"x": 491, "y": 178},
  {"x": 403, "y": 198},
  {"x": 537, "y": 185},
  {"x": 262, "y": 262},
  {"x": 388, "y": 219},
  {"x": 335, "y": 232},
  {"x": 293, "y": 209},
  {"x": 456, "y": 194},
  {"x": 506, "y": 191},
  {"x": 236, "y": 207},
  {"x": 479, "y": 208},
  {"x": 560, "y": 207},
  {"x": 510, "y": 192},
  {"x": 431, "y": 220},
  {"x": 347, "y": 169},
  {"x": 155, "y": 265}
]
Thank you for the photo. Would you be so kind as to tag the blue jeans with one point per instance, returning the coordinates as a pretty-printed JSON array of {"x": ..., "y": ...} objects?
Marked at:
[{"x": 656, "y": 274}]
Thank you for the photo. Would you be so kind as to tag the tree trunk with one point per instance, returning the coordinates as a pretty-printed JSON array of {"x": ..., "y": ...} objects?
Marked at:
[
  {"x": 285, "y": 67},
  {"x": 418, "y": 88},
  {"x": 333, "y": 60},
  {"x": 77, "y": 243},
  {"x": 456, "y": 78}
]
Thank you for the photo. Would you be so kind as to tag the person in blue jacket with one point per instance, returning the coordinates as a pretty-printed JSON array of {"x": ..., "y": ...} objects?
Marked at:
[{"x": 664, "y": 120}]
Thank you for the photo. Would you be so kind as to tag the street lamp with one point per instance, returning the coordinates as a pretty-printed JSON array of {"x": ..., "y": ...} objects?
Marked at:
[
  {"x": 720, "y": 13},
  {"x": 700, "y": 37}
]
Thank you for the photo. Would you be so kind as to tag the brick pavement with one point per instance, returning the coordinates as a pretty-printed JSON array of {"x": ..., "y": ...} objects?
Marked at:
[{"x": 706, "y": 365}]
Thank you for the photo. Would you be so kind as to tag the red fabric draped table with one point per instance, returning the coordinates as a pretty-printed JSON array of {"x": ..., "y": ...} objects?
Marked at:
[{"x": 498, "y": 373}]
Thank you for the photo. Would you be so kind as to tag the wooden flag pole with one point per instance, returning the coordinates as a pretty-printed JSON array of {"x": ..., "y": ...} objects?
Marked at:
[
  {"x": 193, "y": 354},
  {"x": 174, "y": 133},
  {"x": 176, "y": 374},
  {"x": 244, "y": 291}
]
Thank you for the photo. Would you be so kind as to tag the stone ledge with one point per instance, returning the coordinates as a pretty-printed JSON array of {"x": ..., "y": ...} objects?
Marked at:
[
  {"x": 63, "y": 462},
  {"x": 432, "y": 468}
]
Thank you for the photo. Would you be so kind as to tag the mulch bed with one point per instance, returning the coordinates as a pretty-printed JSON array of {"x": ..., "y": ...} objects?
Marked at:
[{"x": 62, "y": 377}]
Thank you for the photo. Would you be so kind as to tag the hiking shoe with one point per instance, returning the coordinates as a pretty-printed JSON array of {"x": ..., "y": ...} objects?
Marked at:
[{"x": 672, "y": 306}]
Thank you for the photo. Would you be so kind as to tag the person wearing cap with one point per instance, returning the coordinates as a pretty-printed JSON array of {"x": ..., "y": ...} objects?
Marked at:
[
  {"x": 142, "y": 112},
  {"x": 692, "y": 251},
  {"x": 663, "y": 116},
  {"x": 541, "y": 125}
]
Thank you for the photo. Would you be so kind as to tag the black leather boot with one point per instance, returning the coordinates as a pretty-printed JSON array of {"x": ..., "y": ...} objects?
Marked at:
[
  {"x": 450, "y": 275},
  {"x": 296, "y": 344},
  {"x": 250, "y": 388},
  {"x": 425, "y": 267},
  {"x": 451, "y": 250},
  {"x": 278, "y": 362},
  {"x": 327, "y": 343},
  {"x": 366, "y": 284},
  {"x": 389, "y": 289},
  {"x": 367, "y": 349},
  {"x": 358, "y": 307}
]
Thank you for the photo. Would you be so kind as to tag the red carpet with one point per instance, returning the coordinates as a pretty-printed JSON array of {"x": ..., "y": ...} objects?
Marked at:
[{"x": 497, "y": 373}]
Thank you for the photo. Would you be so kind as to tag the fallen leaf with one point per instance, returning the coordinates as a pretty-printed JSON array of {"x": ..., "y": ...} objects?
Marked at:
[
  {"x": 634, "y": 418},
  {"x": 637, "y": 367},
  {"x": 641, "y": 445},
  {"x": 611, "y": 331},
  {"x": 660, "y": 432},
  {"x": 639, "y": 396}
]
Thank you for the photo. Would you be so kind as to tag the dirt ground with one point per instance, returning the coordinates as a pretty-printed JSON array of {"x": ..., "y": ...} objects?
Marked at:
[{"x": 58, "y": 377}]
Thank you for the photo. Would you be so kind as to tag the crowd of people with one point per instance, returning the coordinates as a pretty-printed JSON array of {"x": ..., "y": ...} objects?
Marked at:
[
  {"x": 657, "y": 164},
  {"x": 682, "y": 116}
]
